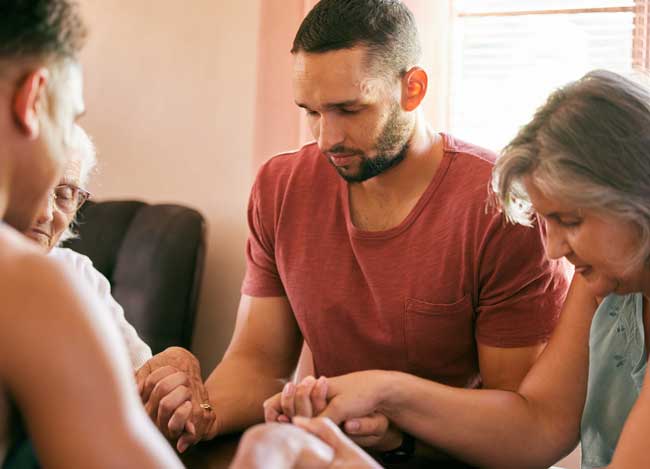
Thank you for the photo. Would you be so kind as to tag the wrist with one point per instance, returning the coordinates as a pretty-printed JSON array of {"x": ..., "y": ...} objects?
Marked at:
[{"x": 390, "y": 390}]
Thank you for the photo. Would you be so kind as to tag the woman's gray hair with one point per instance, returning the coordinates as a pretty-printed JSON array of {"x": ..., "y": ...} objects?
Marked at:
[
  {"x": 88, "y": 153},
  {"x": 85, "y": 148},
  {"x": 588, "y": 145}
]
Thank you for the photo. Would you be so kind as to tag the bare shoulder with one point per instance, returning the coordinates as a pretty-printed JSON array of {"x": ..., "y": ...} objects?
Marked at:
[
  {"x": 38, "y": 295},
  {"x": 27, "y": 275},
  {"x": 20, "y": 261}
]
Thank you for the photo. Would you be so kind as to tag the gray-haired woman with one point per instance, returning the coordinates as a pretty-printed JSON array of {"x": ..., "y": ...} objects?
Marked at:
[
  {"x": 582, "y": 168},
  {"x": 53, "y": 225}
]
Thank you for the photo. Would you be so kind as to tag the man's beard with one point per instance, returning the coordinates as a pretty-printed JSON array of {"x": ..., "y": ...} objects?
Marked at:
[{"x": 392, "y": 147}]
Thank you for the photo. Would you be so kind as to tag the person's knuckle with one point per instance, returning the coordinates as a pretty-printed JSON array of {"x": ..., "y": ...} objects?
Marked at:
[
  {"x": 161, "y": 388},
  {"x": 176, "y": 425},
  {"x": 166, "y": 407},
  {"x": 187, "y": 355},
  {"x": 182, "y": 377},
  {"x": 174, "y": 429},
  {"x": 150, "y": 381},
  {"x": 184, "y": 393}
]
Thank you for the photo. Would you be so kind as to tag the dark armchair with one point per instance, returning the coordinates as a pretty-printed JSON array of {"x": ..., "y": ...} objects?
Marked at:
[{"x": 153, "y": 256}]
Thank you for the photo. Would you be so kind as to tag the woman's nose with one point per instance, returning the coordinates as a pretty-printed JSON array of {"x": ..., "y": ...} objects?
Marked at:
[{"x": 46, "y": 214}]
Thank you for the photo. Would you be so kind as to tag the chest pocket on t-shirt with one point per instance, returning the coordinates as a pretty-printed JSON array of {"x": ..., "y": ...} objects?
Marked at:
[{"x": 440, "y": 340}]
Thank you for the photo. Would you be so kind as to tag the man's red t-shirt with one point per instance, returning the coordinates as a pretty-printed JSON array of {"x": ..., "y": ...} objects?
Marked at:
[{"x": 414, "y": 298}]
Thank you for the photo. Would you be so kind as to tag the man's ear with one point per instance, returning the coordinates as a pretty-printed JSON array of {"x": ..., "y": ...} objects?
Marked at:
[
  {"x": 414, "y": 88},
  {"x": 29, "y": 100}
]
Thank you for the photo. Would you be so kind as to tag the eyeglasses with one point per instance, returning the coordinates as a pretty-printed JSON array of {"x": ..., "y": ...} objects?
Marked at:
[{"x": 69, "y": 198}]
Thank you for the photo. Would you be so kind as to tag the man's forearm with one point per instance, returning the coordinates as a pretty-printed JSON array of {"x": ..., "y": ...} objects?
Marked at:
[
  {"x": 238, "y": 387},
  {"x": 490, "y": 428}
]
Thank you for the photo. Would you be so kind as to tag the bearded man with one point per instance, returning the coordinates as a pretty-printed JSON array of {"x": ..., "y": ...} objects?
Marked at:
[{"x": 374, "y": 244}]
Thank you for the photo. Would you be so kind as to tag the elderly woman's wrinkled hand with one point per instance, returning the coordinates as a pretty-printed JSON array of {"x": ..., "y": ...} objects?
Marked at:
[{"x": 173, "y": 394}]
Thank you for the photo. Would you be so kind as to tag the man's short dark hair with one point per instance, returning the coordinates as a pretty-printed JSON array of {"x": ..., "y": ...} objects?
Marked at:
[
  {"x": 40, "y": 29},
  {"x": 386, "y": 27}
]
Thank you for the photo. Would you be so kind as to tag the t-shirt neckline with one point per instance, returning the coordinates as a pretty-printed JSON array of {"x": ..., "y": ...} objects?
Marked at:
[{"x": 448, "y": 151}]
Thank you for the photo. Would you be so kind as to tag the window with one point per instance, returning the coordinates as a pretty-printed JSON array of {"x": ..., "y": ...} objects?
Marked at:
[{"x": 508, "y": 55}]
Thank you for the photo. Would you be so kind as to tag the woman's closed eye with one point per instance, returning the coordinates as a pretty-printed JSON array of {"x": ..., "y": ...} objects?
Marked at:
[
  {"x": 565, "y": 222},
  {"x": 65, "y": 192},
  {"x": 569, "y": 222}
]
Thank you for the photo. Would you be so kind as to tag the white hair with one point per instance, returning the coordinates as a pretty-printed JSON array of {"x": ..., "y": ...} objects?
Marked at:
[
  {"x": 88, "y": 153},
  {"x": 83, "y": 145}
]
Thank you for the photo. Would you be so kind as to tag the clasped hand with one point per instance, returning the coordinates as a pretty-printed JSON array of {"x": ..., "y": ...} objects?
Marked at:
[
  {"x": 349, "y": 400},
  {"x": 175, "y": 398}
]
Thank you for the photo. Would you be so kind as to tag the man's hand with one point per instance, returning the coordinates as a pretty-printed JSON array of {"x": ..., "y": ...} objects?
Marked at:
[
  {"x": 355, "y": 395},
  {"x": 172, "y": 390},
  {"x": 308, "y": 399}
]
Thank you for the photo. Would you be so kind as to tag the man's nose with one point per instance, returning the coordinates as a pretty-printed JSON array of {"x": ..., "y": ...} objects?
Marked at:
[{"x": 330, "y": 133}]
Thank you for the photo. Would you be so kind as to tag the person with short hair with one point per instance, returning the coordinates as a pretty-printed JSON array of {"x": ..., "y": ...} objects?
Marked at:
[
  {"x": 54, "y": 225},
  {"x": 61, "y": 387},
  {"x": 372, "y": 244},
  {"x": 581, "y": 167}
]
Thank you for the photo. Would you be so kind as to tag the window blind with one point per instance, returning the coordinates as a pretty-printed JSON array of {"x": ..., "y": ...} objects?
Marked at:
[{"x": 508, "y": 55}]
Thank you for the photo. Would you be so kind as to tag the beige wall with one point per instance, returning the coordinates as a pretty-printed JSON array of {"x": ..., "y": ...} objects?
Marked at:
[{"x": 170, "y": 91}]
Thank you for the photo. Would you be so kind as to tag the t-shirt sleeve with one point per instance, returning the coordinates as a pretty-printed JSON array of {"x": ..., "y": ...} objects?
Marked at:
[
  {"x": 262, "y": 278},
  {"x": 521, "y": 291}
]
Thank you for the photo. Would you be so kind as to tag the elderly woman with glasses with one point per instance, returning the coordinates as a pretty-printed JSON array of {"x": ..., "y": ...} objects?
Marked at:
[{"x": 53, "y": 225}]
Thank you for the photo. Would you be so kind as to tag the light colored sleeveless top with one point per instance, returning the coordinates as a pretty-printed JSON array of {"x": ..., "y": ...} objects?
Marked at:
[{"x": 617, "y": 365}]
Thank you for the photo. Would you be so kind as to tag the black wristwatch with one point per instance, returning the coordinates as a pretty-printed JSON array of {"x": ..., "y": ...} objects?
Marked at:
[{"x": 402, "y": 453}]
